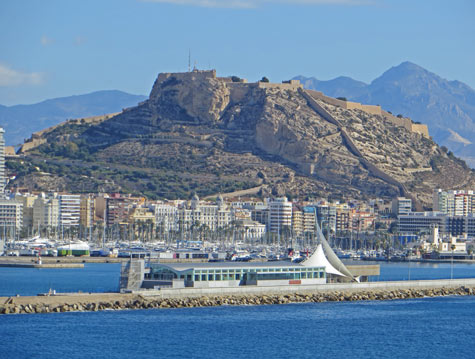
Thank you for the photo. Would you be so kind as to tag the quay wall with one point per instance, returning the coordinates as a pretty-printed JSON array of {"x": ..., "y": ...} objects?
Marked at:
[
  {"x": 328, "y": 287},
  {"x": 247, "y": 296}
]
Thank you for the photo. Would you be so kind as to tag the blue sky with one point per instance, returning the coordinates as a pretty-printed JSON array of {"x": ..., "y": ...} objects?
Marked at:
[{"x": 54, "y": 48}]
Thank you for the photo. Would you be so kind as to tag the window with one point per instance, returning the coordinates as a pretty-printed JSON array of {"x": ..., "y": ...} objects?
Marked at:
[
  {"x": 210, "y": 277},
  {"x": 197, "y": 277},
  {"x": 203, "y": 277},
  {"x": 218, "y": 276}
]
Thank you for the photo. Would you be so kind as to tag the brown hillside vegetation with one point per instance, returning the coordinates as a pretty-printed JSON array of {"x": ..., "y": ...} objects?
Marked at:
[{"x": 198, "y": 132}]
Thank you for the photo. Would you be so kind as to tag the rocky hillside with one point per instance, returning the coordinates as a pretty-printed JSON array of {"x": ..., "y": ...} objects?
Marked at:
[
  {"x": 198, "y": 132},
  {"x": 447, "y": 107}
]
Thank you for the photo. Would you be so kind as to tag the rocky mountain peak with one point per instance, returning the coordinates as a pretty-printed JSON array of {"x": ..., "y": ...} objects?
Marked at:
[{"x": 197, "y": 96}]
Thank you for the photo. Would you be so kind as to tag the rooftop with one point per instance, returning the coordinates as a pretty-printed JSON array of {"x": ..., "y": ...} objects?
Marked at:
[{"x": 231, "y": 265}]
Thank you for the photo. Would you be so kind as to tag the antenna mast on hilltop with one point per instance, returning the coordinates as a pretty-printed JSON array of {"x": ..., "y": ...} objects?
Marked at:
[{"x": 189, "y": 60}]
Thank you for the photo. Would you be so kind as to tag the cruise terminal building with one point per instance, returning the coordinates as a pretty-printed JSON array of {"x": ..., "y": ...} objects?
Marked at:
[
  {"x": 230, "y": 274},
  {"x": 316, "y": 269}
]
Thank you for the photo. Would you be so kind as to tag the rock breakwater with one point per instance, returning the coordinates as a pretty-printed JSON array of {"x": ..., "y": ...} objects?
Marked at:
[{"x": 62, "y": 304}]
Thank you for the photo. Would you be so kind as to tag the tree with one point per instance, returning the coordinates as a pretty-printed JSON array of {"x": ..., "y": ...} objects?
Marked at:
[
  {"x": 235, "y": 79},
  {"x": 342, "y": 98},
  {"x": 264, "y": 79}
]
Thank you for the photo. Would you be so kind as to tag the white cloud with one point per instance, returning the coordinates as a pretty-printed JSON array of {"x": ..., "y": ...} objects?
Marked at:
[
  {"x": 11, "y": 77},
  {"x": 257, "y": 3},
  {"x": 45, "y": 40}
]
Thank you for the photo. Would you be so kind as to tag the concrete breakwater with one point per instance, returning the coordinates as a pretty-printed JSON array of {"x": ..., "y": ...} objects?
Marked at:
[
  {"x": 42, "y": 265},
  {"x": 116, "y": 301}
]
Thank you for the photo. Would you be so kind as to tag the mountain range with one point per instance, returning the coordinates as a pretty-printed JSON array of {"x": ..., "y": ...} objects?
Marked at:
[
  {"x": 20, "y": 121},
  {"x": 447, "y": 107}
]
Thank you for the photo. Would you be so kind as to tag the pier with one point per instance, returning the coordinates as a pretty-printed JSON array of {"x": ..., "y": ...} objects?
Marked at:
[
  {"x": 25, "y": 264},
  {"x": 190, "y": 297}
]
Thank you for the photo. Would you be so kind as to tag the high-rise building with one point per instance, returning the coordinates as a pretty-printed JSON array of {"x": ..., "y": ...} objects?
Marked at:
[
  {"x": 280, "y": 214},
  {"x": 402, "y": 206},
  {"x": 309, "y": 219},
  {"x": 454, "y": 203},
  {"x": 28, "y": 202},
  {"x": 87, "y": 211},
  {"x": 11, "y": 217},
  {"x": 326, "y": 214},
  {"x": 69, "y": 209},
  {"x": 117, "y": 209}
]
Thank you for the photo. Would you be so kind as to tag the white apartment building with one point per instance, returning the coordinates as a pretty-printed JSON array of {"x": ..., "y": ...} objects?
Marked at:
[
  {"x": 454, "y": 203},
  {"x": 252, "y": 230},
  {"x": 11, "y": 216},
  {"x": 401, "y": 206},
  {"x": 280, "y": 214},
  {"x": 166, "y": 216},
  {"x": 180, "y": 217},
  {"x": 69, "y": 209}
]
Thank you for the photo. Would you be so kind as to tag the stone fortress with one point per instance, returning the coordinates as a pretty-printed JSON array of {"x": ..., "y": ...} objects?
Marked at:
[{"x": 239, "y": 88}]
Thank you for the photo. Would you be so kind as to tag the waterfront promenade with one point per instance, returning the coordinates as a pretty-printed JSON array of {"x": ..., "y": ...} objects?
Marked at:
[{"x": 237, "y": 296}]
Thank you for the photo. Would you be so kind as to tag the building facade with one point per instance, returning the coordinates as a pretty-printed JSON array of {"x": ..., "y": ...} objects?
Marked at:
[{"x": 280, "y": 215}]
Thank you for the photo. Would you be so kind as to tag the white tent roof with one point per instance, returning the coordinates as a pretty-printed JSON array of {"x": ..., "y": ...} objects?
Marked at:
[{"x": 318, "y": 259}]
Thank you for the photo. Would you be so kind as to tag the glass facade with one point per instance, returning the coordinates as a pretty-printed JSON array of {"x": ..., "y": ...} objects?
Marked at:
[{"x": 226, "y": 274}]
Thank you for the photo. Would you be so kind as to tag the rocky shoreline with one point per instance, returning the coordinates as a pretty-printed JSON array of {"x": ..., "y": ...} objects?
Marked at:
[{"x": 137, "y": 301}]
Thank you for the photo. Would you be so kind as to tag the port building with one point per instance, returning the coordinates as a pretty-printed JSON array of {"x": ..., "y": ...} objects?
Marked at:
[
  {"x": 230, "y": 274},
  {"x": 316, "y": 269}
]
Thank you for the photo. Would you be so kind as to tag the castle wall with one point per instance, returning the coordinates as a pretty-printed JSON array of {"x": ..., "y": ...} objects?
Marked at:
[
  {"x": 422, "y": 129},
  {"x": 27, "y": 146},
  {"x": 374, "y": 110},
  {"x": 407, "y": 124},
  {"x": 330, "y": 100},
  {"x": 283, "y": 86},
  {"x": 194, "y": 75},
  {"x": 238, "y": 91}
]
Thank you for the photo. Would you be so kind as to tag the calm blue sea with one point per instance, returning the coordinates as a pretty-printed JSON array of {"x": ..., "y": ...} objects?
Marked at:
[
  {"x": 94, "y": 277},
  {"x": 421, "y": 328},
  {"x": 104, "y": 277}
]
